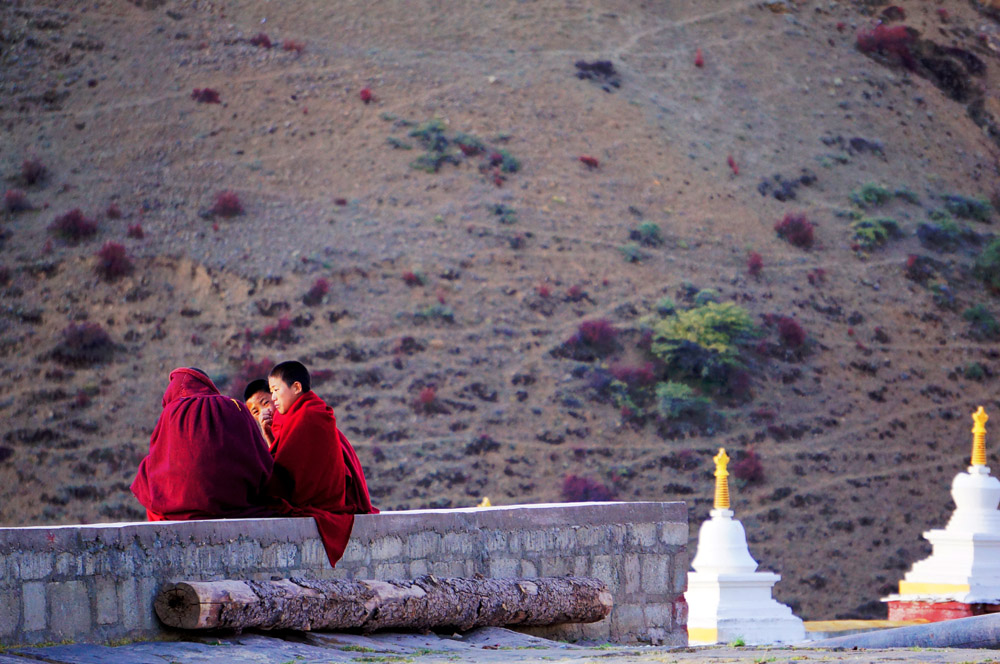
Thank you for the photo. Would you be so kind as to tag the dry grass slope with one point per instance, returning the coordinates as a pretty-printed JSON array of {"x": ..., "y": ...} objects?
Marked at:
[{"x": 446, "y": 380}]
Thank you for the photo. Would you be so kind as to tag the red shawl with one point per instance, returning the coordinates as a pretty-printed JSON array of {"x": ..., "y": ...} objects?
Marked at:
[
  {"x": 317, "y": 473},
  {"x": 207, "y": 457}
]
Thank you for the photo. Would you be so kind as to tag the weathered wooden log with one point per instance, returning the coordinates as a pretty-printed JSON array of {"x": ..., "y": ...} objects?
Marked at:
[{"x": 423, "y": 603}]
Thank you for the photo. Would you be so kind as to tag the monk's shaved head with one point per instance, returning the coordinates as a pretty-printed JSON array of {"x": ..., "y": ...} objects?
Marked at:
[
  {"x": 291, "y": 372},
  {"x": 255, "y": 386}
]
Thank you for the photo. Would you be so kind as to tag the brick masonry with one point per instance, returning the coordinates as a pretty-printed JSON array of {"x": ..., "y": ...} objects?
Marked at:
[{"x": 97, "y": 582}]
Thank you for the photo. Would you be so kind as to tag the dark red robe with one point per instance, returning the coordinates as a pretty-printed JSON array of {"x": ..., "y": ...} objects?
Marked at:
[
  {"x": 317, "y": 472},
  {"x": 207, "y": 457}
]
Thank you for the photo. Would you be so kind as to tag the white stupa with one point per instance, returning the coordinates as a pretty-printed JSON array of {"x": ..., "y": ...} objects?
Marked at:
[
  {"x": 727, "y": 598},
  {"x": 964, "y": 565}
]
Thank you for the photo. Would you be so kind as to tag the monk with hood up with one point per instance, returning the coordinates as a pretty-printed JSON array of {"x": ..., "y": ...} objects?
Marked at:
[{"x": 207, "y": 457}]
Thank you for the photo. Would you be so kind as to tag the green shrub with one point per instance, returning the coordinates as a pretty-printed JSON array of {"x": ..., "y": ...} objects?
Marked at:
[
  {"x": 647, "y": 234},
  {"x": 943, "y": 296},
  {"x": 435, "y": 312},
  {"x": 706, "y": 295},
  {"x": 717, "y": 327},
  {"x": 974, "y": 371},
  {"x": 848, "y": 214},
  {"x": 871, "y": 195},
  {"x": 676, "y": 401},
  {"x": 508, "y": 163},
  {"x": 632, "y": 253},
  {"x": 984, "y": 324},
  {"x": 505, "y": 214},
  {"x": 623, "y": 397},
  {"x": 969, "y": 208},
  {"x": 469, "y": 143},
  {"x": 398, "y": 144},
  {"x": 666, "y": 306},
  {"x": 907, "y": 195},
  {"x": 988, "y": 264},
  {"x": 431, "y": 135},
  {"x": 431, "y": 162},
  {"x": 872, "y": 232}
]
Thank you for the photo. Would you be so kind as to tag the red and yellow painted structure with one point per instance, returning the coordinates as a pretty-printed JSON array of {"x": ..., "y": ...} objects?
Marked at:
[{"x": 961, "y": 578}]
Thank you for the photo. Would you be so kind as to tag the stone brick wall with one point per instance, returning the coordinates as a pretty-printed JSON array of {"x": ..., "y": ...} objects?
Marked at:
[{"x": 98, "y": 582}]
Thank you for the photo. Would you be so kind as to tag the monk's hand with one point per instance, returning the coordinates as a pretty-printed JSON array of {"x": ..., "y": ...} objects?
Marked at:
[{"x": 265, "y": 425}]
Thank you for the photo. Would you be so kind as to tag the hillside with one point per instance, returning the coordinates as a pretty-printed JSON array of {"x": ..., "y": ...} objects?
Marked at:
[{"x": 441, "y": 329}]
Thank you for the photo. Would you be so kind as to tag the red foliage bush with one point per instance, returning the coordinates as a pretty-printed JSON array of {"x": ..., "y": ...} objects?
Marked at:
[
  {"x": 316, "y": 294},
  {"x": 816, "y": 277},
  {"x": 790, "y": 332},
  {"x": 261, "y": 40},
  {"x": 15, "y": 200},
  {"x": 892, "y": 41},
  {"x": 748, "y": 467},
  {"x": 83, "y": 345},
  {"x": 412, "y": 279},
  {"x": 366, "y": 95},
  {"x": 73, "y": 226},
  {"x": 113, "y": 262},
  {"x": 32, "y": 170},
  {"x": 206, "y": 96},
  {"x": 733, "y": 165},
  {"x": 699, "y": 59},
  {"x": 755, "y": 263},
  {"x": 796, "y": 230},
  {"x": 113, "y": 212},
  {"x": 280, "y": 331},
  {"x": 227, "y": 204},
  {"x": 291, "y": 45},
  {"x": 543, "y": 290},
  {"x": 135, "y": 231},
  {"x": 577, "y": 489},
  {"x": 427, "y": 395},
  {"x": 599, "y": 334},
  {"x": 634, "y": 375},
  {"x": 588, "y": 161},
  {"x": 919, "y": 268},
  {"x": 247, "y": 372},
  {"x": 427, "y": 402},
  {"x": 575, "y": 293}
]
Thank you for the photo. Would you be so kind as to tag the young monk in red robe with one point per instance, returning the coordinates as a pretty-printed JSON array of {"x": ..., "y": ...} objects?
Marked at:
[
  {"x": 316, "y": 471},
  {"x": 207, "y": 458}
]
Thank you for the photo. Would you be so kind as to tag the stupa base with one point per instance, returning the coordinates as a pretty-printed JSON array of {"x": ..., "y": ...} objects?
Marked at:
[
  {"x": 749, "y": 631},
  {"x": 937, "y": 611}
]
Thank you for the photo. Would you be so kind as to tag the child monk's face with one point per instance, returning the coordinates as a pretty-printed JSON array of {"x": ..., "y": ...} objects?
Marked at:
[
  {"x": 261, "y": 408},
  {"x": 282, "y": 394}
]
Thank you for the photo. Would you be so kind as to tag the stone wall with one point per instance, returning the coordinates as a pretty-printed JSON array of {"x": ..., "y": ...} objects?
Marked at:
[{"x": 97, "y": 582}]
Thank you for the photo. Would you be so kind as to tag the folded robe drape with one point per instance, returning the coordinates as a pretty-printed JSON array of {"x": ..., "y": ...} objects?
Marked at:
[{"x": 317, "y": 472}]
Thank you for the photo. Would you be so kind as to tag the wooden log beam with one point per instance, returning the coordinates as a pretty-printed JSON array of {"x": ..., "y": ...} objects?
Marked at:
[{"x": 423, "y": 603}]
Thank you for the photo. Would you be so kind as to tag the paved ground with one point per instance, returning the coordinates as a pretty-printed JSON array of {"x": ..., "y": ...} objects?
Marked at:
[{"x": 482, "y": 645}]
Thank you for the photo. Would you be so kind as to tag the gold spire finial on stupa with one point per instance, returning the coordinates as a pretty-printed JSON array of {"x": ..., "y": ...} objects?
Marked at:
[
  {"x": 979, "y": 437},
  {"x": 721, "y": 480}
]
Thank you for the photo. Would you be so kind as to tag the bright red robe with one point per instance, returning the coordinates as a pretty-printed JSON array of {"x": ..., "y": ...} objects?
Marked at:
[
  {"x": 317, "y": 473},
  {"x": 207, "y": 457}
]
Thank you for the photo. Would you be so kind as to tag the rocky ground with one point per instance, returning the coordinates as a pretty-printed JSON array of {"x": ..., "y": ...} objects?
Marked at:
[
  {"x": 487, "y": 644},
  {"x": 436, "y": 198}
]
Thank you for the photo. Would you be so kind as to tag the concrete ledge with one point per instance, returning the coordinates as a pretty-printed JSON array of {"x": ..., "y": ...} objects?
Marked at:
[{"x": 97, "y": 582}]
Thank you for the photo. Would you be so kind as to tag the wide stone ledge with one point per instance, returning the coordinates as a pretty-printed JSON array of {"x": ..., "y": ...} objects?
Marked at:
[{"x": 97, "y": 582}]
